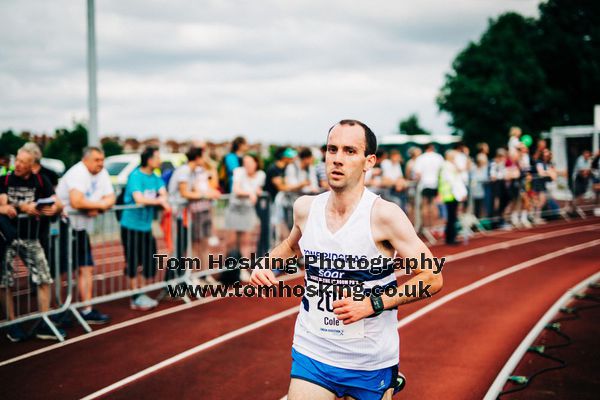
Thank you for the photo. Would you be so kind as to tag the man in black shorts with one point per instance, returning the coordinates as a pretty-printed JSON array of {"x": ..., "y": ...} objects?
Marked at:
[{"x": 86, "y": 191}]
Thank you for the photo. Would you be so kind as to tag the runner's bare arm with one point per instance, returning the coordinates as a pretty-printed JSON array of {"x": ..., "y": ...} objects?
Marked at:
[
  {"x": 289, "y": 247},
  {"x": 390, "y": 224}
]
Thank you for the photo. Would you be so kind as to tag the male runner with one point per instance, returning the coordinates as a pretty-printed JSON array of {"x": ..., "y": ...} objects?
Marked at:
[{"x": 348, "y": 347}]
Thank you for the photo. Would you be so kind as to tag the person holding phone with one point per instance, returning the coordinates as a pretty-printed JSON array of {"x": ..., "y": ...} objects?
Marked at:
[{"x": 20, "y": 194}]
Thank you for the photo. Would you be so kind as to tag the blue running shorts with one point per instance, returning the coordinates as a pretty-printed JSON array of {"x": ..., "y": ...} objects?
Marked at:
[{"x": 361, "y": 385}]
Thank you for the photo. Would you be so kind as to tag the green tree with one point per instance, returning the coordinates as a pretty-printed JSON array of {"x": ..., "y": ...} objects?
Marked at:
[
  {"x": 410, "y": 126},
  {"x": 568, "y": 48},
  {"x": 534, "y": 73},
  {"x": 111, "y": 148},
  {"x": 10, "y": 143},
  {"x": 68, "y": 145},
  {"x": 496, "y": 83}
]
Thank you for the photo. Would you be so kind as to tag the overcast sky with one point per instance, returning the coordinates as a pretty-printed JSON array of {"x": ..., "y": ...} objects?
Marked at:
[{"x": 276, "y": 71}]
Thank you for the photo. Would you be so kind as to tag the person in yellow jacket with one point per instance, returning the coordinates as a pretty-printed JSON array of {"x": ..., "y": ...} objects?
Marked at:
[
  {"x": 452, "y": 191},
  {"x": 5, "y": 166}
]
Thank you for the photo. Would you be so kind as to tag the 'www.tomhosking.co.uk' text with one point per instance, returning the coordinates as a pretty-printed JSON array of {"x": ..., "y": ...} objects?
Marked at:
[{"x": 330, "y": 292}]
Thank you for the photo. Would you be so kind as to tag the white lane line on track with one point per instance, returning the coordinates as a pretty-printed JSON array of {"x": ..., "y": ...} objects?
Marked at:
[
  {"x": 182, "y": 307},
  {"x": 403, "y": 322},
  {"x": 128, "y": 323},
  {"x": 194, "y": 350},
  {"x": 517, "y": 242},
  {"x": 432, "y": 306},
  {"x": 490, "y": 278}
]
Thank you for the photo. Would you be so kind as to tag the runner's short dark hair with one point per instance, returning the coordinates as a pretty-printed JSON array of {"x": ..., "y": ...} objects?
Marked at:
[{"x": 370, "y": 138}]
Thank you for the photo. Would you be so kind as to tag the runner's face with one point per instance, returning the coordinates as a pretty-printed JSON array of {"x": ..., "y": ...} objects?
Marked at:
[{"x": 345, "y": 160}]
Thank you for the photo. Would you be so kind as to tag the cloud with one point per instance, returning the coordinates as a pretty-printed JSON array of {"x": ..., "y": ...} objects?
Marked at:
[{"x": 275, "y": 71}]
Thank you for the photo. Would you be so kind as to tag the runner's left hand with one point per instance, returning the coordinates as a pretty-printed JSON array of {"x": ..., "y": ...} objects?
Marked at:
[{"x": 349, "y": 310}]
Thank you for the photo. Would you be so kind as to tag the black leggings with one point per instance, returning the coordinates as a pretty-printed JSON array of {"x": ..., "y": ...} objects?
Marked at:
[
  {"x": 139, "y": 248},
  {"x": 451, "y": 209}
]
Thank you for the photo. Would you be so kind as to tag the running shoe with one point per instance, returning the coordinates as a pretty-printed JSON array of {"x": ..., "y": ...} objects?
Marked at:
[{"x": 400, "y": 382}]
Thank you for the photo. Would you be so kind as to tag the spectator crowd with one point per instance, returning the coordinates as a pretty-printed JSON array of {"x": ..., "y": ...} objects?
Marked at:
[{"x": 512, "y": 188}]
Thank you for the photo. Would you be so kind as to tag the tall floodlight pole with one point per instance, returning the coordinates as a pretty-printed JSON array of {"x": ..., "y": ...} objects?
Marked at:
[
  {"x": 596, "y": 137},
  {"x": 91, "y": 64}
]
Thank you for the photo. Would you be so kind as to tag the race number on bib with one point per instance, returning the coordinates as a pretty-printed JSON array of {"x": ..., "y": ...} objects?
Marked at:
[{"x": 323, "y": 322}]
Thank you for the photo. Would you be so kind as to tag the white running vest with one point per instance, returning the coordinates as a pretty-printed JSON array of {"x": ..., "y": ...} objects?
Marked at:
[{"x": 369, "y": 344}]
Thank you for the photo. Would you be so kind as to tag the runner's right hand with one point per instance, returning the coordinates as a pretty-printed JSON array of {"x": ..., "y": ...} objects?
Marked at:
[{"x": 263, "y": 277}]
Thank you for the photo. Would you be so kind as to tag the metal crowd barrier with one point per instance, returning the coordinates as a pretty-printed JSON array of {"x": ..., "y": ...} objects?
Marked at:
[
  {"x": 175, "y": 236},
  {"x": 261, "y": 240},
  {"x": 122, "y": 255},
  {"x": 19, "y": 253},
  {"x": 494, "y": 205},
  {"x": 411, "y": 200},
  {"x": 111, "y": 249}
]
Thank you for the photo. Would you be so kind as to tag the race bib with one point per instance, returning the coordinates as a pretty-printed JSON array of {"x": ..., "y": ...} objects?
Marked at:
[{"x": 322, "y": 321}]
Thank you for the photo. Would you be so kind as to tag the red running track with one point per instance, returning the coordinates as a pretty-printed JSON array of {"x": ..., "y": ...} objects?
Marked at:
[
  {"x": 454, "y": 351},
  {"x": 579, "y": 379}
]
